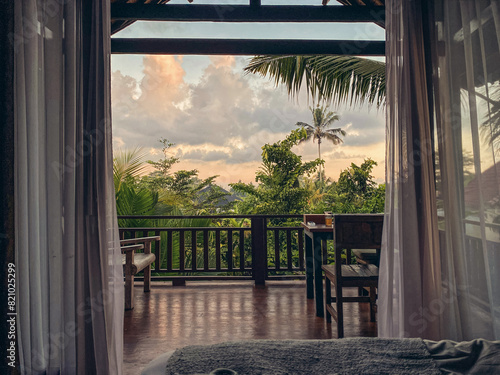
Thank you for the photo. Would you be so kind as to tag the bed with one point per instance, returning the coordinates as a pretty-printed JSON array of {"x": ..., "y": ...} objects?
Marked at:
[{"x": 345, "y": 356}]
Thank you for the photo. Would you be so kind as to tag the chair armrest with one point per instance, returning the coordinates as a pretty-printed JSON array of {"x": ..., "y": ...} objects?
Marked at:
[
  {"x": 127, "y": 249},
  {"x": 147, "y": 241},
  {"x": 139, "y": 240}
]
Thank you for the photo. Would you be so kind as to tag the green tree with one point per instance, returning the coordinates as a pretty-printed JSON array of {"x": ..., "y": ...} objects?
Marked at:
[
  {"x": 194, "y": 195},
  {"x": 333, "y": 78},
  {"x": 356, "y": 190},
  {"x": 278, "y": 190},
  {"x": 182, "y": 189},
  {"x": 318, "y": 193},
  {"x": 322, "y": 118}
]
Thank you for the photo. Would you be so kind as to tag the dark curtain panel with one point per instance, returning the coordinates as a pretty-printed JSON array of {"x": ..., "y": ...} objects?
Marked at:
[{"x": 6, "y": 168}]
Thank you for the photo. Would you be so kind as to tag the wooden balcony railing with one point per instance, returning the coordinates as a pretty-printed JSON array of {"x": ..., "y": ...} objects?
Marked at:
[
  {"x": 210, "y": 247},
  {"x": 252, "y": 247}
]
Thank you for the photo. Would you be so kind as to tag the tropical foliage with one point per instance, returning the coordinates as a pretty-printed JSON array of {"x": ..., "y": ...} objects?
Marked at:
[
  {"x": 356, "y": 190},
  {"x": 284, "y": 185},
  {"x": 278, "y": 190},
  {"x": 333, "y": 78},
  {"x": 145, "y": 188},
  {"x": 131, "y": 197},
  {"x": 161, "y": 191}
]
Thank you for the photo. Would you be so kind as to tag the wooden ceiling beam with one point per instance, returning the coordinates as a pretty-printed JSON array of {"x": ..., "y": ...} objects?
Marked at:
[
  {"x": 177, "y": 46},
  {"x": 246, "y": 13}
]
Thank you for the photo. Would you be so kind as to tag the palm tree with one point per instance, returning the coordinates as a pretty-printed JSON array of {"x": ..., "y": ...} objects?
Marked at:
[
  {"x": 322, "y": 118},
  {"x": 332, "y": 78}
]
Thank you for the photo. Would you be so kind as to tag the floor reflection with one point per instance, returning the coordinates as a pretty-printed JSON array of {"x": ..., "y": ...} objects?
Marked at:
[{"x": 205, "y": 313}]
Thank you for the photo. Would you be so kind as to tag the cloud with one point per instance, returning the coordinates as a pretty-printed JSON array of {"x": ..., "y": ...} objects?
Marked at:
[
  {"x": 162, "y": 86},
  {"x": 364, "y": 127},
  {"x": 343, "y": 155},
  {"x": 236, "y": 150},
  {"x": 206, "y": 155},
  {"x": 221, "y": 105},
  {"x": 118, "y": 143},
  {"x": 221, "y": 120},
  {"x": 221, "y": 61}
]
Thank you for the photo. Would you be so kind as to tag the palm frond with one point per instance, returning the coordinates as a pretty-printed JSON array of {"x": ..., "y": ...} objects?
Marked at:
[
  {"x": 350, "y": 79},
  {"x": 336, "y": 131},
  {"x": 309, "y": 131},
  {"x": 330, "y": 118},
  {"x": 289, "y": 70},
  {"x": 128, "y": 163},
  {"x": 335, "y": 139},
  {"x": 333, "y": 78}
]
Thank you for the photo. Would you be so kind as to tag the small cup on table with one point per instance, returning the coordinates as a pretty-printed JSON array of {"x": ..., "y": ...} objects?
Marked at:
[{"x": 328, "y": 218}]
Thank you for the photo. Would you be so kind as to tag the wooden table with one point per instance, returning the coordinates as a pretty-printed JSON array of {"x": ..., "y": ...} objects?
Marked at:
[{"x": 315, "y": 237}]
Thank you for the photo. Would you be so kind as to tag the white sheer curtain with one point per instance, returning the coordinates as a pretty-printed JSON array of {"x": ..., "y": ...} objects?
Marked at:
[
  {"x": 69, "y": 273},
  {"x": 409, "y": 275},
  {"x": 440, "y": 266}
]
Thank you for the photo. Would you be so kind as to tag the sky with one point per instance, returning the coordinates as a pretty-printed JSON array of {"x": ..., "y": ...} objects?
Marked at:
[{"x": 217, "y": 116}]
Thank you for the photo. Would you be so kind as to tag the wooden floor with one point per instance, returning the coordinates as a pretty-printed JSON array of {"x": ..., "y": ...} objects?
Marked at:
[{"x": 206, "y": 312}]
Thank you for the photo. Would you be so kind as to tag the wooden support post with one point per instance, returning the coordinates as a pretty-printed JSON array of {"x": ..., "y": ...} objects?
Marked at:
[{"x": 259, "y": 250}]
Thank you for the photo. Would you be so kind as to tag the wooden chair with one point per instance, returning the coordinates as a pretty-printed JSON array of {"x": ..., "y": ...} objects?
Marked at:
[
  {"x": 134, "y": 263},
  {"x": 352, "y": 232}
]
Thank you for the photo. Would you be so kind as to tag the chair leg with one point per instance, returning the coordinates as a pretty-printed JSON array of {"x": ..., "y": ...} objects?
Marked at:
[
  {"x": 328, "y": 298},
  {"x": 373, "y": 294},
  {"x": 340, "y": 311},
  {"x": 129, "y": 291},
  {"x": 147, "y": 270},
  {"x": 147, "y": 279}
]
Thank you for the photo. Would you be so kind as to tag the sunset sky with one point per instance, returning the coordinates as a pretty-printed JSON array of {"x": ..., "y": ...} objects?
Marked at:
[{"x": 219, "y": 117}]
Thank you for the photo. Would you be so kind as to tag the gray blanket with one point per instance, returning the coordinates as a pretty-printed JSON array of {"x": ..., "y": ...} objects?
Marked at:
[{"x": 299, "y": 357}]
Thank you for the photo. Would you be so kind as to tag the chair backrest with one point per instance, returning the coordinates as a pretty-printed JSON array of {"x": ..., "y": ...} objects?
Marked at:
[{"x": 356, "y": 231}]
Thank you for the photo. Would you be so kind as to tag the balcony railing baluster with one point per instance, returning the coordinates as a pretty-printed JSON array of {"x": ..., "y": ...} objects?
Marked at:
[
  {"x": 158, "y": 250},
  {"x": 194, "y": 259},
  {"x": 181, "y": 250},
  {"x": 217, "y": 250},
  {"x": 289, "y": 249},
  {"x": 230, "y": 250},
  {"x": 277, "y": 258},
  {"x": 206, "y": 254},
  {"x": 170, "y": 251},
  {"x": 218, "y": 246},
  {"x": 242, "y": 249}
]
